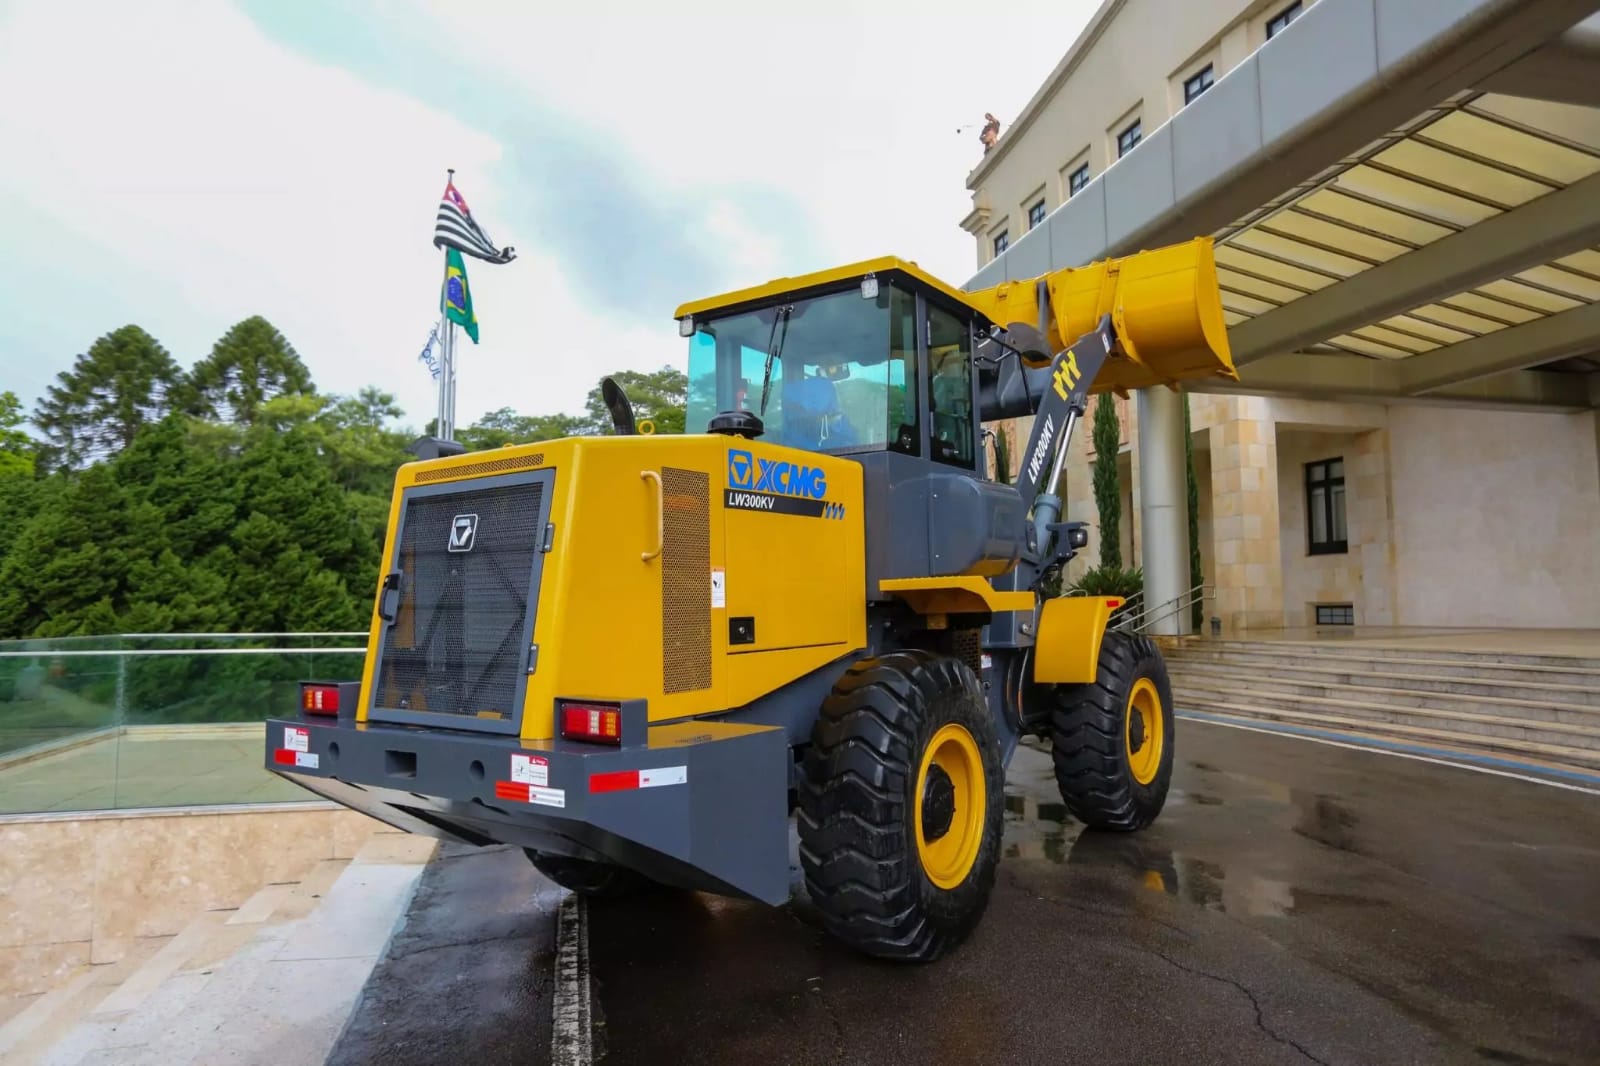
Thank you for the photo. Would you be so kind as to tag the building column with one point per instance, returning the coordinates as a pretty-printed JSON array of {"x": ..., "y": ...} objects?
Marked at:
[
  {"x": 1163, "y": 506},
  {"x": 1246, "y": 527}
]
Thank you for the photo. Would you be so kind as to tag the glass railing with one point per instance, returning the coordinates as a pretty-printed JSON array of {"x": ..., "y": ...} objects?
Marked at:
[{"x": 153, "y": 720}]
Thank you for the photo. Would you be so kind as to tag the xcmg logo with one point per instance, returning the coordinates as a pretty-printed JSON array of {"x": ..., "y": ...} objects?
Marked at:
[{"x": 746, "y": 471}]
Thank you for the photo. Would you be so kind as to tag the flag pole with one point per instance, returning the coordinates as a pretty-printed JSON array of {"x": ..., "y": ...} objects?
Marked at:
[{"x": 447, "y": 347}]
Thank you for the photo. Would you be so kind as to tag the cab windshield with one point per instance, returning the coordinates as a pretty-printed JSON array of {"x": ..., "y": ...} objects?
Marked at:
[{"x": 843, "y": 372}]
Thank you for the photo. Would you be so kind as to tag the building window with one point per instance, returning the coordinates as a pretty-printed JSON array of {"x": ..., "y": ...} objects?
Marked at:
[
  {"x": 1325, "y": 507},
  {"x": 1128, "y": 138},
  {"x": 1199, "y": 83},
  {"x": 1282, "y": 19},
  {"x": 1078, "y": 180},
  {"x": 1001, "y": 242},
  {"x": 1036, "y": 214},
  {"x": 1336, "y": 614}
]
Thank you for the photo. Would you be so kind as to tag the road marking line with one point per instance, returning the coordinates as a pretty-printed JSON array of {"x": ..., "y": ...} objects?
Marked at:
[
  {"x": 571, "y": 1037},
  {"x": 1379, "y": 748}
]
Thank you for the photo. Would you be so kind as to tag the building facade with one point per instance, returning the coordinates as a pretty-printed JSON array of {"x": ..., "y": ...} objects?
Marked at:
[{"x": 1400, "y": 512}]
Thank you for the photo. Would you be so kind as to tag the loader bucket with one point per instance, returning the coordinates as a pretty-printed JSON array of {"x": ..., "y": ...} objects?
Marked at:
[{"x": 1167, "y": 310}]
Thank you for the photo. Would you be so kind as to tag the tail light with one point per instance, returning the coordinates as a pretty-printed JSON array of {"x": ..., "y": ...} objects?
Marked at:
[
  {"x": 594, "y": 722},
  {"x": 317, "y": 698}
]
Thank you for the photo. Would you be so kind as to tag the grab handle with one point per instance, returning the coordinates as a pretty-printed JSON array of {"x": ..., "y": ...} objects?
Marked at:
[{"x": 661, "y": 515}]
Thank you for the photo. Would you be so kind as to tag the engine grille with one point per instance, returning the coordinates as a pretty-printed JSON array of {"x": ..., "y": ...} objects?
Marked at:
[
  {"x": 459, "y": 644},
  {"x": 686, "y": 580}
]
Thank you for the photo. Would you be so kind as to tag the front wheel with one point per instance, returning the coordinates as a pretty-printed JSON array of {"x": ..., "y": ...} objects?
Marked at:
[
  {"x": 901, "y": 809},
  {"x": 1112, "y": 740}
]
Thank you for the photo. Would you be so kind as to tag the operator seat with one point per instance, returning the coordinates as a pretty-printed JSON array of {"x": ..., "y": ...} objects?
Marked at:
[{"x": 812, "y": 417}]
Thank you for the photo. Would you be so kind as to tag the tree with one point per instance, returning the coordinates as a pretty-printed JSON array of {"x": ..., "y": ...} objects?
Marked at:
[
  {"x": 181, "y": 533},
  {"x": 124, "y": 382},
  {"x": 1002, "y": 454},
  {"x": 249, "y": 366},
  {"x": 16, "y": 447},
  {"x": 1197, "y": 610},
  {"x": 660, "y": 396},
  {"x": 1107, "y": 485},
  {"x": 499, "y": 428}
]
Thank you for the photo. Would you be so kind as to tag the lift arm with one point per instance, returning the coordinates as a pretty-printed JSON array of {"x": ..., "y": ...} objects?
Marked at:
[{"x": 1147, "y": 320}]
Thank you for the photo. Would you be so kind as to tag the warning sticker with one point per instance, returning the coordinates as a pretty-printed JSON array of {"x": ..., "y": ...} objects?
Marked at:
[
  {"x": 988, "y": 661},
  {"x": 309, "y": 761},
  {"x": 530, "y": 770},
  {"x": 544, "y": 797},
  {"x": 665, "y": 775},
  {"x": 296, "y": 739},
  {"x": 547, "y": 797},
  {"x": 719, "y": 588}
]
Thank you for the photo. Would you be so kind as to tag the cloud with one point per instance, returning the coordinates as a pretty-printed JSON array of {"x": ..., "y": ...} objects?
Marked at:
[
  {"x": 179, "y": 153},
  {"x": 182, "y": 166},
  {"x": 632, "y": 248},
  {"x": 846, "y": 111}
]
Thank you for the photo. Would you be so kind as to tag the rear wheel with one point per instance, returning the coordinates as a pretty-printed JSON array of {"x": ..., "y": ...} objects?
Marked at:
[
  {"x": 587, "y": 877},
  {"x": 1112, "y": 740},
  {"x": 901, "y": 809}
]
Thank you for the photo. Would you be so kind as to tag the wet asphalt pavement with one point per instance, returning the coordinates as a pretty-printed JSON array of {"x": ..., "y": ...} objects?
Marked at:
[{"x": 1295, "y": 903}]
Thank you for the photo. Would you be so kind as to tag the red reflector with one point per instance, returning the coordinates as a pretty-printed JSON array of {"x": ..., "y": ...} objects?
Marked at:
[
  {"x": 511, "y": 790},
  {"x": 284, "y": 756},
  {"x": 616, "y": 781},
  {"x": 581, "y": 721},
  {"x": 319, "y": 699},
  {"x": 1113, "y": 602}
]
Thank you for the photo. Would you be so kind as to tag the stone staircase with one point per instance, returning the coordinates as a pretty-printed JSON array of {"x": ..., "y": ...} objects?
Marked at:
[
  {"x": 272, "y": 981},
  {"x": 1542, "y": 709}
]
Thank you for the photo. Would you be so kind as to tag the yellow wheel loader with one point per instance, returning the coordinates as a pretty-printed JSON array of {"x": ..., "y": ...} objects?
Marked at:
[{"x": 639, "y": 656}]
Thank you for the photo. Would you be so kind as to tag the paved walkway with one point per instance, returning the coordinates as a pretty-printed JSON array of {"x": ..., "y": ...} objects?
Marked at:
[{"x": 1297, "y": 903}]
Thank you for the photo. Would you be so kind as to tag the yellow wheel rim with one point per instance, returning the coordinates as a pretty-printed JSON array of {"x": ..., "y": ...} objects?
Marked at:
[
  {"x": 949, "y": 803},
  {"x": 1144, "y": 732}
]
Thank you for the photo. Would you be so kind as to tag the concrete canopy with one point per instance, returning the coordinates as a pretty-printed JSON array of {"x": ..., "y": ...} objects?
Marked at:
[{"x": 1405, "y": 196}]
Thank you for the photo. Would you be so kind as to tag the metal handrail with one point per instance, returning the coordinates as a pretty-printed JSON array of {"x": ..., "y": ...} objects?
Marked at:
[{"x": 1140, "y": 621}]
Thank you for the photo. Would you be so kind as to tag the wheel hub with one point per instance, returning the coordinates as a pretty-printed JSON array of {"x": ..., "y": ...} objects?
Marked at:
[
  {"x": 1136, "y": 733},
  {"x": 938, "y": 804}
]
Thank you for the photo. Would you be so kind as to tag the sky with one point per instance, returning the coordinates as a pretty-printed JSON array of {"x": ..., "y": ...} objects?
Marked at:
[{"x": 184, "y": 164}]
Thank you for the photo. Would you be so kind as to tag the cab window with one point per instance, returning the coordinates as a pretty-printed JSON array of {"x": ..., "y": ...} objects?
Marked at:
[
  {"x": 950, "y": 429},
  {"x": 843, "y": 371}
]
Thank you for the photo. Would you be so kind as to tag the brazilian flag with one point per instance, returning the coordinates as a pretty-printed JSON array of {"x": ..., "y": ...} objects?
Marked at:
[{"x": 456, "y": 300}]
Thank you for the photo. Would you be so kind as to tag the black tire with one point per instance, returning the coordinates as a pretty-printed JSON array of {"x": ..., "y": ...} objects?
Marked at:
[
  {"x": 859, "y": 818},
  {"x": 586, "y": 877},
  {"x": 1091, "y": 736}
]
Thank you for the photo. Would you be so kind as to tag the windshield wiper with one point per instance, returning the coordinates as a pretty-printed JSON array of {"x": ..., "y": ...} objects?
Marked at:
[{"x": 773, "y": 352}]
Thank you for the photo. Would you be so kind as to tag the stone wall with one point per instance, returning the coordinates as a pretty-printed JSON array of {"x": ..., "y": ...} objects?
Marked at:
[
  {"x": 1497, "y": 518},
  {"x": 1455, "y": 516},
  {"x": 80, "y": 890}
]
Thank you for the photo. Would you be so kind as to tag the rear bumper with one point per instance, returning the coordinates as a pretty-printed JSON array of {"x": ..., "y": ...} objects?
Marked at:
[{"x": 702, "y": 805}]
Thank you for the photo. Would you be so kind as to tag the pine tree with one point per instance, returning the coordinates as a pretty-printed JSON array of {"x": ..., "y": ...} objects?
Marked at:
[
  {"x": 250, "y": 365},
  {"x": 16, "y": 447},
  {"x": 1107, "y": 485},
  {"x": 125, "y": 381}
]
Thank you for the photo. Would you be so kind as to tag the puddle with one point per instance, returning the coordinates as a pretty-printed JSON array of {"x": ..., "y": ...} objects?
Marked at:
[{"x": 1200, "y": 869}]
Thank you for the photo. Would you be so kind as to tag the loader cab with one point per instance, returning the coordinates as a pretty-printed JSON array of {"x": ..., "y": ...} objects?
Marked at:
[{"x": 875, "y": 357}]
